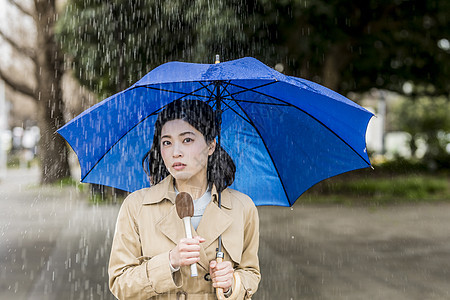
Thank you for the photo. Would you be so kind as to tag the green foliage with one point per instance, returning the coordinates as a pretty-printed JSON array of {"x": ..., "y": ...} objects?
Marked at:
[
  {"x": 364, "y": 44},
  {"x": 392, "y": 182},
  {"x": 114, "y": 43},
  {"x": 428, "y": 119},
  {"x": 13, "y": 161},
  {"x": 97, "y": 198},
  {"x": 382, "y": 190},
  {"x": 346, "y": 45},
  {"x": 400, "y": 166},
  {"x": 410, "y": 187},
  {"x": 70, "y": 182}
]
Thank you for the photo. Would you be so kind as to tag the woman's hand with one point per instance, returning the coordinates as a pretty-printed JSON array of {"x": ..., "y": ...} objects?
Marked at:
[
  {"x": 186, "y": 252},
  {"x": 221, "y": 274}
]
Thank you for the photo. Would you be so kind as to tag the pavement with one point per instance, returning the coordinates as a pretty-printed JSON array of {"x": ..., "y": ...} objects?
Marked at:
[{"x": 54, "y": 244}]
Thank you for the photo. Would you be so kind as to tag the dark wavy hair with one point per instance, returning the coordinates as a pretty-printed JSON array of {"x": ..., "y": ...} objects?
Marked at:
[{"x": 201, "y": 116}]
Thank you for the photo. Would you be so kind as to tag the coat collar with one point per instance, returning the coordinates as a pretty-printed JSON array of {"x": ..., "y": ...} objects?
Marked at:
[{"x": 165, "y": 190}]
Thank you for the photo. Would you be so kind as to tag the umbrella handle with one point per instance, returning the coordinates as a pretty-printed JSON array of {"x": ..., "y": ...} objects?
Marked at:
[{"x": 235, "y": 289}]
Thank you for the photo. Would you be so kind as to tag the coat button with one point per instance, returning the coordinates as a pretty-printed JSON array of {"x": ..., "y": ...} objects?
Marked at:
[{"x": 207, "y": 277}]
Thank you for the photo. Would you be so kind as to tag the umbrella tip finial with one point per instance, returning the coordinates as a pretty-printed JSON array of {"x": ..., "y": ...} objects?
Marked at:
[{"x": 217, "y": 59}]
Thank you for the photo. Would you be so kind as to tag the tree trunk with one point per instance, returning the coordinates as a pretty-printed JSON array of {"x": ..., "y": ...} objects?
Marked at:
[
  {"x": 49, "y": 70},
  {"x": 335, "y": 61}
]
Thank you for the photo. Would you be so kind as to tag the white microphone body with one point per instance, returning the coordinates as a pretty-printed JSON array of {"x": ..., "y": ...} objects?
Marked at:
[{"x": 187, "y": 229}]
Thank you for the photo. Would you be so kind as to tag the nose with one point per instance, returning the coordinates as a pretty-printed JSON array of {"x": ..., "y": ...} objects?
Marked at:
[{"x": 177, "y": 151}]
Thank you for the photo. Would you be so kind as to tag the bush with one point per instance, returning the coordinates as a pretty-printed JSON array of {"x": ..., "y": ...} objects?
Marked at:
[{"x": 382, "y": 190}]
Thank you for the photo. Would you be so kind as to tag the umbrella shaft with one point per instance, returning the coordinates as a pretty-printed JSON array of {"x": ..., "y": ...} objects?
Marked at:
[{"x": 219, "y": 129}]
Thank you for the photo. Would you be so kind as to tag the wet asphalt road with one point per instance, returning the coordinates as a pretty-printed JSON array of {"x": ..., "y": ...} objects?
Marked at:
[{"x": 55, "y": 245}]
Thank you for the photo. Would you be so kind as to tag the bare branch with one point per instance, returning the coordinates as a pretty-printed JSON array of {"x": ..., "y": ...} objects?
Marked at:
[
  {"x": 17, "y": 86},
  {"x": 29, "y": 52},
  {"x": 21, "y": 8}
]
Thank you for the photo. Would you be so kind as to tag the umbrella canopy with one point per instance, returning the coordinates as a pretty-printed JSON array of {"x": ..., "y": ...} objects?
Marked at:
[{"x": 285, "y": 134}]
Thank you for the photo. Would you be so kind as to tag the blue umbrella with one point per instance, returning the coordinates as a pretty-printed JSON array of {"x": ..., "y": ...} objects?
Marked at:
[{"x": 285, "y": 134}]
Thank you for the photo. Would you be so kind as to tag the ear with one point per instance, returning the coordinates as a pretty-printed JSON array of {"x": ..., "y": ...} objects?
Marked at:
[{"x": 211, "y": 147}]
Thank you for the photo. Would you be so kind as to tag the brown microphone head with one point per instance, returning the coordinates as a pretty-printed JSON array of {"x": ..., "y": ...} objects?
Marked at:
[{"x": 184, "y": 205}]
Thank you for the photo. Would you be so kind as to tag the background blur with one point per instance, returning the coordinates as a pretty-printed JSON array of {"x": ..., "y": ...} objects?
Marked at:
[
  {"x": 59, "y": 57},
  {"x": 64, "y": 56}
]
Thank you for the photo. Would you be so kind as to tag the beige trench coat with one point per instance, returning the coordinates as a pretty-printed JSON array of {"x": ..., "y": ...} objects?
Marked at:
[{"x": 148, "y": 227}]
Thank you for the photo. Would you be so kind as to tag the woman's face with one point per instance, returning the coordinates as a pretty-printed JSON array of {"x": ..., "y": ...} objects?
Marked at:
[{"x": 185, "y": 152}]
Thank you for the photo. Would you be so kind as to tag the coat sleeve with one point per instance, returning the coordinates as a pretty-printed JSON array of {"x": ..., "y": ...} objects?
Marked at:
[
  {"x": 132, "y": 276},
  {"x": 248, "y": 269}
]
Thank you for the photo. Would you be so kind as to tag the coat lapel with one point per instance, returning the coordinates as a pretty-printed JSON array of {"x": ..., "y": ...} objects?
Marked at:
[
  {"x": 213, "y": 223},
  {"x": 171, "y": 226}
]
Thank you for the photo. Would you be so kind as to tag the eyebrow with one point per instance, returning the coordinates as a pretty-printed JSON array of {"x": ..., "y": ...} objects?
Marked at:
[{"x": 181, "y": 134}]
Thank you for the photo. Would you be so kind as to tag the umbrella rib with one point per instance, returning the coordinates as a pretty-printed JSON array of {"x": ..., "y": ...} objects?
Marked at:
[
  {"x": 224, "y": 88},
  {"x": 266, "y": 103},
  {"x": 177, "y": 92},
  {"x": 244, "y": 89},
  {"x": 223, "y": 98},
  {"x": 100, "y": 159},
  {"x": 149, "y": 115},
  {"x": 236, "y": 100},
  {"x": 320, "y": 122},
  {"x": 237, "y": 112},
  {"x": 210, "y": 92},
  {"x": 267, "y": 149},
  {"x": 206, "y": 87},
  {"x": 185, "y": 95},
  {"x": 258, "y": 92}
]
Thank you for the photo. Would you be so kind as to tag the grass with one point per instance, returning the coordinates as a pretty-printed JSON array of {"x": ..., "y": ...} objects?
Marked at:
[
  {"x": 355, "y": 190},
  {"x": 14, "y": 162},
  {"x": 388, "y": 184},
  {"x": 102, "y": 199},
  {"x": 108, "y": 196},
  {"x": 70, "y": 182},
  {"x": 380, "y": 190}
]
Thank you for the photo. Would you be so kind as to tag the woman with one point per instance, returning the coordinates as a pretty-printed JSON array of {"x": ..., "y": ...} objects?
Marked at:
[{"x": 150, "y": 256}]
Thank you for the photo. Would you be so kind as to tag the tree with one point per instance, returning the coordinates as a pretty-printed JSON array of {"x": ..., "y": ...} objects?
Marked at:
[
  {"x": 117, "y": 42},
  {"x": 343, "y": 44},
  {"x": 48, "y": 62},
  {"x": 428, "y": 120},
  {"x": 357, "y": 45},
  {"x": 346, "y": 45}
]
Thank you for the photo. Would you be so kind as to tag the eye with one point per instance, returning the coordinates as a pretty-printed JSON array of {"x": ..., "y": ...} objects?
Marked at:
[
  {"x": 187, "y": 140},
  {"x": 165, "y": 143}
]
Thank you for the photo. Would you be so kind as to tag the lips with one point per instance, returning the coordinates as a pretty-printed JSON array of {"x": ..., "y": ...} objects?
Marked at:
[{"x": 178, "y": 166}]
